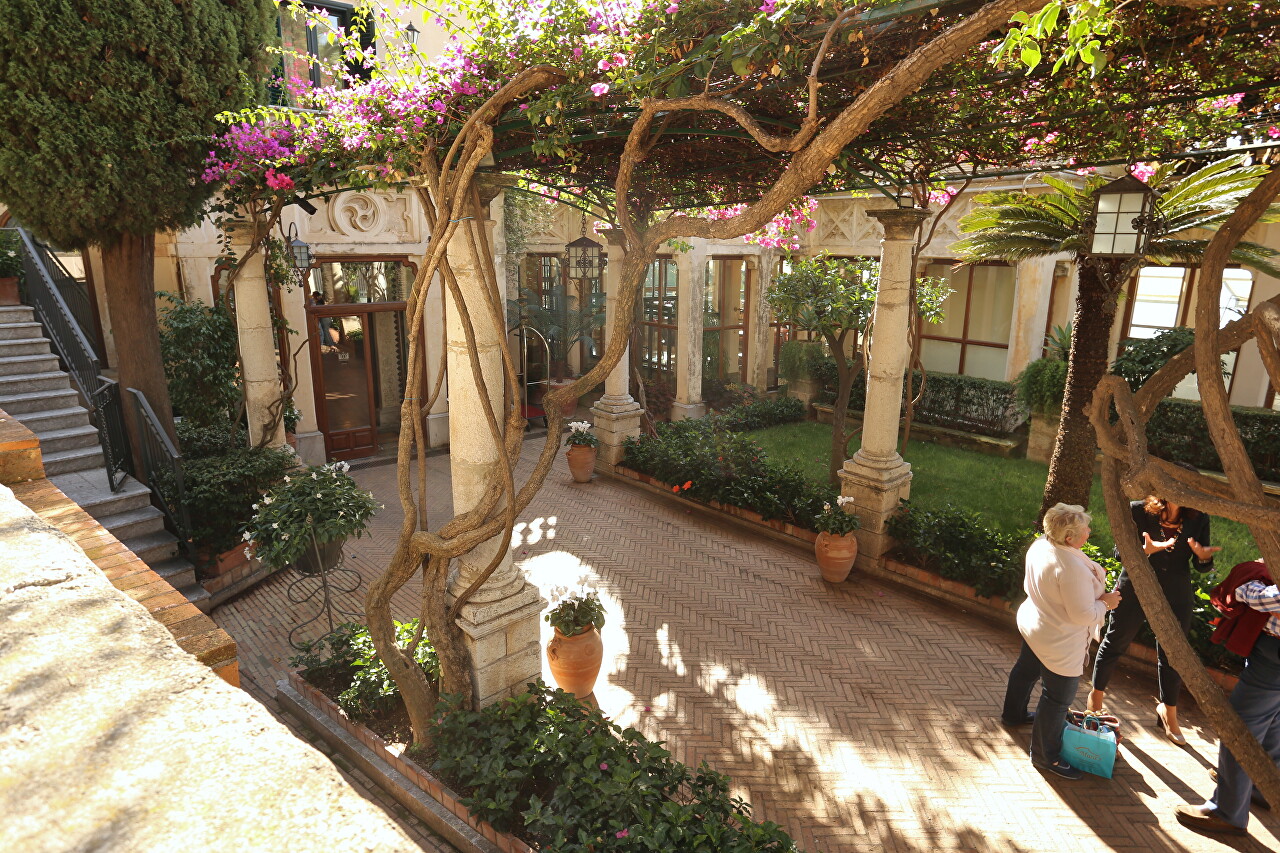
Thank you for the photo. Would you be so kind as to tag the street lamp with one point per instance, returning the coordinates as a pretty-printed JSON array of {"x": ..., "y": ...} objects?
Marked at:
[
  {"x": 1123, "y": 219},
  {"x": 411, "y": 34}
]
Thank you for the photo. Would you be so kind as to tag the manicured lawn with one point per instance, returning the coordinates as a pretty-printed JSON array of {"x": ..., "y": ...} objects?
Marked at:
[{"x": 1007, "y": 491}]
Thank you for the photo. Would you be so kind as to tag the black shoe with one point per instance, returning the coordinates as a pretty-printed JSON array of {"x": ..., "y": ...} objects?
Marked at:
[
  {"x": 1255, "y": 795},
  {"x": 1027, "y": 719},
  {"x": 1061, "y": 768}
]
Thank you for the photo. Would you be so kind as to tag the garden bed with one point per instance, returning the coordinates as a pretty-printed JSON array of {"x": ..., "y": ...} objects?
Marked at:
[
  {"x": 1013, "y": 446},
  {"x": 997, "y": 608}
]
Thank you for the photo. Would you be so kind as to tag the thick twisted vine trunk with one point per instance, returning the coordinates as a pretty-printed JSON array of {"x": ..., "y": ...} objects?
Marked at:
[
  {"x": 1071, "y": 466},
  {"x": 459, "y": 258},
  {"x": 1130, "y": 470}
]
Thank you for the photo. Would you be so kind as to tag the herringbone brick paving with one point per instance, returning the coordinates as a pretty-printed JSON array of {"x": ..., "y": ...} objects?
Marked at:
[{"x": 858, "y": 716}]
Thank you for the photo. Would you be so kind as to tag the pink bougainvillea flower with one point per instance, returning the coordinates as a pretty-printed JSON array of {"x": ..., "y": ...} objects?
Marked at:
[
  {"x": 599, "y": 89},
  {"x": 622, "y": 833},
  {"x": 604, "y": 766}
]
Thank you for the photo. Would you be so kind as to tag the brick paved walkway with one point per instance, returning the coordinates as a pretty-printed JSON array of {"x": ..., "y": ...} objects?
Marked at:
[{"x": 860, "y": 717}]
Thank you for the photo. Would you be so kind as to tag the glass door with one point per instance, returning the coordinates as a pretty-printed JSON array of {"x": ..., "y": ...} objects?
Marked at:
[{"x": 345, "y": 384}]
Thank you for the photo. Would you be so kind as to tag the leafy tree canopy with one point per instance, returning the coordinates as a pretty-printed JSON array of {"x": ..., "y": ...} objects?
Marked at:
[{"x": 106, "y": 108}]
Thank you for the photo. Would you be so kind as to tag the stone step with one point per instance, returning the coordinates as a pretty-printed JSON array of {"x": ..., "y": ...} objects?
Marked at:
[
  {"x": 55, "y": 419},
  {"x": 18, "y": 404},
  {"x": 179, "y": 572},
  {"x": 24, "y": 346},
  {"x": 76, "y": 459},
  {"x": 57, "y": 440},
  {"x": 153, "y": 548},
  {"x": 92, "y": 492},
  {"x": 20, "y": 331},
  {"x": 31, "y": 365},
  {"x": 10, "y": 314},
  {"x": 27, "y": 383},
  {"x": 197, "y": 595},
  {"x": 133, "y": 524}
]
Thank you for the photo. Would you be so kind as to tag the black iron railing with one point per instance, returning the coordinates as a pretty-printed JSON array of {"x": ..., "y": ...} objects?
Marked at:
[
  {"x": 42, "y": 277},
  {"x": 162, "y": 467},
  {"x": 74, "y": 291}
]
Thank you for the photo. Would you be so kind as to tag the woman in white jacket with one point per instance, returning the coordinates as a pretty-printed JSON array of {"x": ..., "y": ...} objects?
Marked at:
[{"x": 1065, "y": 606}]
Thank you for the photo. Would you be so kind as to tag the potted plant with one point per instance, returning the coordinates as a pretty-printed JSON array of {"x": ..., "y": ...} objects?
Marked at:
[
  {"x": 836, "y": 547},
  {"x": 582, "y": 444},
  {"x": 292, "y": 417},
  {"x": 575, "y": 652},
  {"x": 10, "y": 268},
  {"x": 306, "y": 518}
]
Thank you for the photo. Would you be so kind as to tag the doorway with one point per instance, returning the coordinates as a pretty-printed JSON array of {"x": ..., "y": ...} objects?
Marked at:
[{"x": 359, "y": 350}]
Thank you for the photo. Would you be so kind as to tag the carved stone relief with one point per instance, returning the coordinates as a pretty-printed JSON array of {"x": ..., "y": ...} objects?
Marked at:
[{"x": 366, "y": 217}]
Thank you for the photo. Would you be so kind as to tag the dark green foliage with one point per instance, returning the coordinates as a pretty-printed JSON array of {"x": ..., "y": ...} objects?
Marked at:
[
  {"x": 11, "y": 253},
  {"x": 798, "y": 360},
  {"x": 1142, "y": 357},
  {"x": 761, "y": 414},
  {"x": 721, "y": 465},
  {"x": 346, "y": 665},
  {"x": 197, "y": 442},
  {"x": 659, "y": 395},
  {"x": 198, "y": 343},
  {"x": 1177, "y": 431},
  {"x": 576, "y": 614},
  {"x": 222, "y": 488},
  {"x": 1042, "y": 384},
  {"x": 983, "y": 406},
  {"x": 960, "y": 545},
  {"x": 106, "y": 109},
  {"x": 564, "y": 778}
]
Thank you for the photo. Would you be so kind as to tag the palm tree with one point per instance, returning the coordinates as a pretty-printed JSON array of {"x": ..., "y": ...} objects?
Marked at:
[{"x": 1014, "y": 225}]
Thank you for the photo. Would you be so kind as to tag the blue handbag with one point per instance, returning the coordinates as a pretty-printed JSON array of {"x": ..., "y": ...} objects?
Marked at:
[{"x": 1090, "y": 745}]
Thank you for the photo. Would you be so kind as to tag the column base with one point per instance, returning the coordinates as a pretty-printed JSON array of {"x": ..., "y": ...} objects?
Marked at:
[
  {"x": 617, "y": 418},
  {"x": 310, "y": 447},
  {"x": 682, "y": 411},
  {"x": 504, "y": 642},
  {"x": 876, "y": 485}
]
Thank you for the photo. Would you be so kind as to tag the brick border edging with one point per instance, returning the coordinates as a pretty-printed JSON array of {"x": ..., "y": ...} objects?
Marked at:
[
  {"x": 902, "y": 574},
  {"x": 425, "y": 796}
]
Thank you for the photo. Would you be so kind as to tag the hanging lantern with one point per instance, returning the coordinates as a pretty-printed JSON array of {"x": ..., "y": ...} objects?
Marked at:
[
  {"x": 585, "y": 258},
  {"x": 1123, "y": 219}
]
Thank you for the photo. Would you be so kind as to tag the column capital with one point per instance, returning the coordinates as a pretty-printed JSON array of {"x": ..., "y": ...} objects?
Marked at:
[{"x": 899, "y": 223}]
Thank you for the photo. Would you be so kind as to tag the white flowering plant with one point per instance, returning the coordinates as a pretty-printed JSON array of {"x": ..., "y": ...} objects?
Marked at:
[
  {"x": 580, "y": 435},
  {"x": 321, "y": 502},
  {"x": 10, "y": 255},
  {"x": 837, "y": 520}
]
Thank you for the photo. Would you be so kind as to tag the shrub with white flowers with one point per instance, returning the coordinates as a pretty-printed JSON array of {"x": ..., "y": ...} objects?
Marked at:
[
  {"x": 320, "y": 502},
  {"x": 836, "y": 520},
  {"x": 580, "y": 434},
  {"x": 10, "y": 255}
]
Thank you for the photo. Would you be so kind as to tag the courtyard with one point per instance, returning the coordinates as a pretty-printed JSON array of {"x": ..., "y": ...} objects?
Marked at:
[{"x": 860, "y": 716}]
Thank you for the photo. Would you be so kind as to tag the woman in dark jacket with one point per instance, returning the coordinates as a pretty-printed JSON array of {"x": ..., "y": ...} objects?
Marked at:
[{"x": 1176, "y": 541}]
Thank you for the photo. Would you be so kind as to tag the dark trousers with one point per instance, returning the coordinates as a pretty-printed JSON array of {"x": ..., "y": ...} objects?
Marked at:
[
  {"x": 1056, "y": 693},
  {"x": 1256, "y": 699},
  {"x": 1126, "y": 620}
]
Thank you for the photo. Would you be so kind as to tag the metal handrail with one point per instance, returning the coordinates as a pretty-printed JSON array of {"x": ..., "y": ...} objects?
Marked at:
[
  {"x": 162, "y": 466},
  {"x": 101, "y": 395}
]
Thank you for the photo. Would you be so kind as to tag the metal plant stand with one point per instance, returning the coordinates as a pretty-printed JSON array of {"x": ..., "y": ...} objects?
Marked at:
[{"x": 324, "y": 583}]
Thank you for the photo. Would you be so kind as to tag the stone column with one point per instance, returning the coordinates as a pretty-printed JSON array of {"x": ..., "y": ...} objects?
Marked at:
[
  {"x": 616, "y": 414},
  {"x": 759, "y": 333},
  {"x": 310, "y": 439},
  {"x": 692, "y": 266},
  {"x": 1032, "y": 287},
  {"x": 258, "y": 365},
  {"x": 501, "y": 620},
  {"x": 877, "y": 477}
]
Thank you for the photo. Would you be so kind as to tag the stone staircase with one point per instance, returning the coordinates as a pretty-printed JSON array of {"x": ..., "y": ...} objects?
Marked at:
[{"x": 38, "y": 394}]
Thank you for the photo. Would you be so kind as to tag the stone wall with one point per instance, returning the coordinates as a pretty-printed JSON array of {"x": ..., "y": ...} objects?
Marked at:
[{"x": 114, "y": 738}]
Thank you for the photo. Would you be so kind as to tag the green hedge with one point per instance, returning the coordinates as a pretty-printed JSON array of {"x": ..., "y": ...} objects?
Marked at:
[
  {"x": 563, "y": 777},
  {"x": 1177, "y": 431},
  {"x": 983, "y": 406},
  {"x": 721, "y": 465}
]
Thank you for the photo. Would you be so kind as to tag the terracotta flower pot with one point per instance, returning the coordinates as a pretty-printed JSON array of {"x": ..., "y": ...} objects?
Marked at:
[
  {"x": 575, "y": 661},
  {"x": 9, "y": 291},
  {"x": 582, "y": 462},
  {"x": 836, "y": 555}
]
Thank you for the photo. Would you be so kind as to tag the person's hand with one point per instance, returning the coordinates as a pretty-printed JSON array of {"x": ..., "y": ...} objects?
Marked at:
[
  {"x": 1204, "y": 553},
  {"x": 1110, "y": 599},
  {"x": 1149, "y": 546}
]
